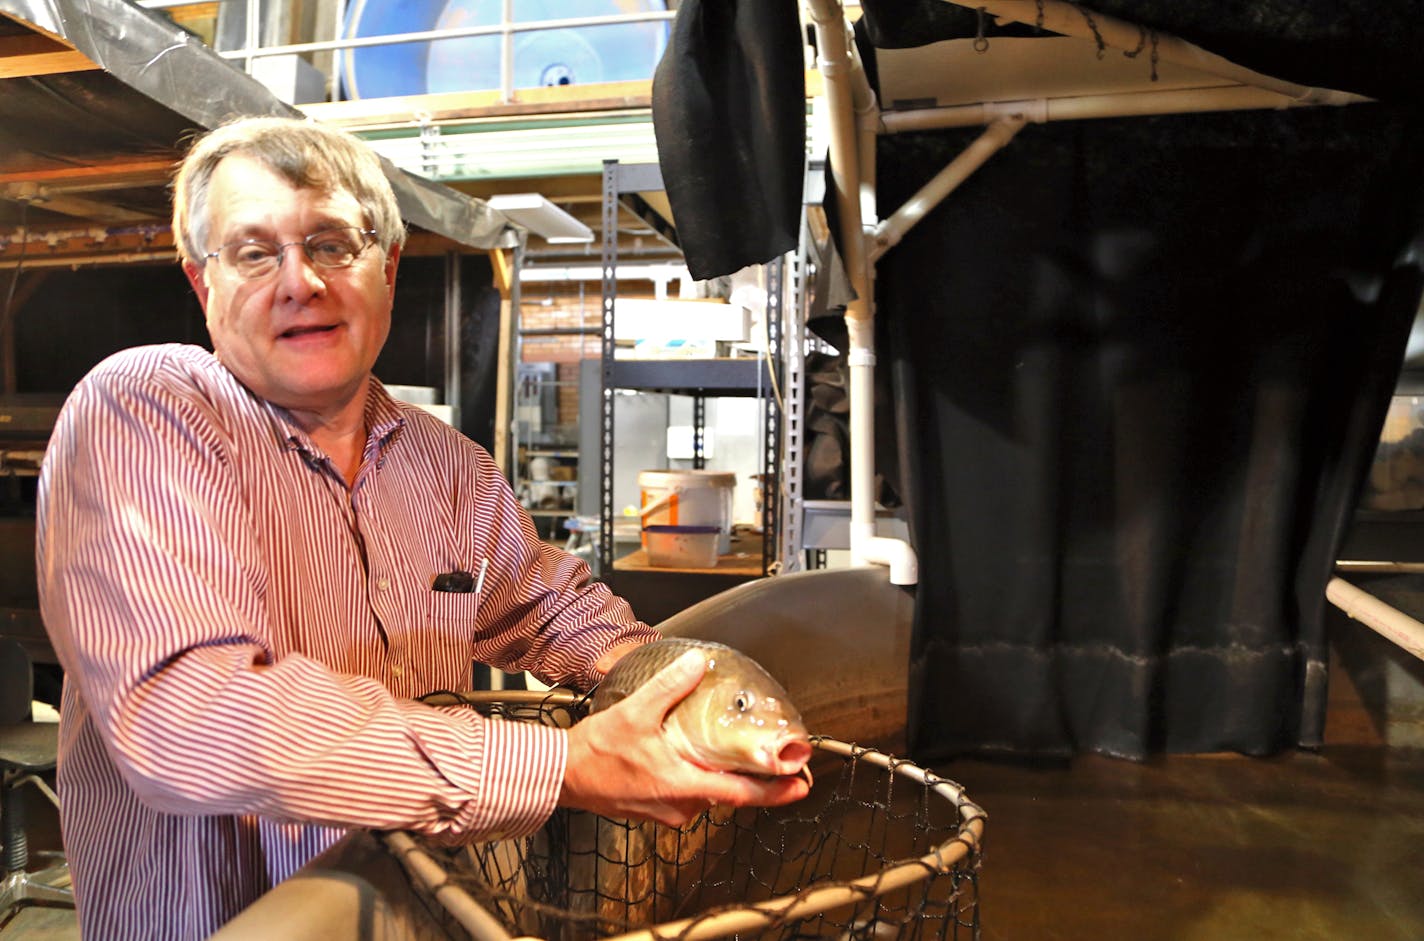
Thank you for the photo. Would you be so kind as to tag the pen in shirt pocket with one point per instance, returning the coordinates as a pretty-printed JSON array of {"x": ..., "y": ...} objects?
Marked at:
[{"x": 461, "y": 582}]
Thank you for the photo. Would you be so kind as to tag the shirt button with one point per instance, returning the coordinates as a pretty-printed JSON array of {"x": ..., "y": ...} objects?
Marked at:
[
  {"x": 396, "y": 671},
  {"x": 382, "y": 584}
]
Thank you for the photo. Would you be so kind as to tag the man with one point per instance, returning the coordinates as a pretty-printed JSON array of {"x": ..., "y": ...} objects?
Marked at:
[{"x": 251, "y": 561}]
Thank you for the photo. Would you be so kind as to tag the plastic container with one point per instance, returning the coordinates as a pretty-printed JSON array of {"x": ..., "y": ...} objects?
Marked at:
[
  {"x": 685, "y": 547},
  {"x": 688, "y": 498}
]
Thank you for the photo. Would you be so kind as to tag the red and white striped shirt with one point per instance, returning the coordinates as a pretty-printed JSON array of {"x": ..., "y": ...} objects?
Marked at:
[{"x": 242, "y": 636}]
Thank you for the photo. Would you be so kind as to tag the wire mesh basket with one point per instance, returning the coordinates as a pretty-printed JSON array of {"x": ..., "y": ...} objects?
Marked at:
[{"x": 879, "y": 849}]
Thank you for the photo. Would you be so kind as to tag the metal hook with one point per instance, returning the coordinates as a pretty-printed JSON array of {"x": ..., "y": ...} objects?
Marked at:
[{"x": 981, "y": 44}]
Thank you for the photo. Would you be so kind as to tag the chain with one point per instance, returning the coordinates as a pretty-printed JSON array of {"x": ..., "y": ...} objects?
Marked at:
[
  {"x": 1144, "y": 36},
  {"x": 1093, "y": 25}
]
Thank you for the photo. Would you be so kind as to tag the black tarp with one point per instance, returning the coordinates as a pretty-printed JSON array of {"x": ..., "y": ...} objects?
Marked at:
[
  {"x": 729, "y": 112},
  {"x": 1140, "y": 366},
  {"x": 1144, "y": 383}
]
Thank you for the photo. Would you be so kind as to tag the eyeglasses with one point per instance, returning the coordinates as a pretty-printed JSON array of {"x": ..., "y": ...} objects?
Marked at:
[{"x": 329, "y": 248}]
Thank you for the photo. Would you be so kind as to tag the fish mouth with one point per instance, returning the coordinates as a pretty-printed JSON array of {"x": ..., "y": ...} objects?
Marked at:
[{"x": 790, "y": 756}]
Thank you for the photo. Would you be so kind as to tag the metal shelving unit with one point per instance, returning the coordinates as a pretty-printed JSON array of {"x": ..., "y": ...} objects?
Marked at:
[
  {"x": 546, "y": 460},
  {"x": 700, "y": 379}
]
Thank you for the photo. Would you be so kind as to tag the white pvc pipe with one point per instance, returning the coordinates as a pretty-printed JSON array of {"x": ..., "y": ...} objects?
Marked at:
[
  {"x": 1071, "y": 20},
  {"x": 1084, "y": 107},
  {"x": 838, "y": 75},
  {"x": 889, "y": 233},
  {"x": 1368, "y": 567},
  {"x": 849, "y": 96},
  {"x": 1364, "y": 607}
]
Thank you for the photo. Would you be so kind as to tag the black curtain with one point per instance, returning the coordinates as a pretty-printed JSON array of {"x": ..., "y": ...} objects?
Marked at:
[
  {"x": 1142, "y": 365},
  {"x": 1139, "y": 370}
]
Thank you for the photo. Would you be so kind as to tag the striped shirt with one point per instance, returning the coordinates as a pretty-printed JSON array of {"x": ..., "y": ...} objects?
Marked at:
[{"x": 242, "y": 635}]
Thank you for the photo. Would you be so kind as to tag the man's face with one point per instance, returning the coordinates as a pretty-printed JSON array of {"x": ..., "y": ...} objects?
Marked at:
[{"x": 302, "y": 337}]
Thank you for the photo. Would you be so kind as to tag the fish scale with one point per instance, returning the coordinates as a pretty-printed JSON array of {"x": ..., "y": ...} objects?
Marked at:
[{"x": 642, "y": 664}]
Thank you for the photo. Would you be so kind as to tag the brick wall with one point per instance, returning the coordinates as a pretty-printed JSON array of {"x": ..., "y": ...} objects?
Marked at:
[{"x": 564, "y": 307}]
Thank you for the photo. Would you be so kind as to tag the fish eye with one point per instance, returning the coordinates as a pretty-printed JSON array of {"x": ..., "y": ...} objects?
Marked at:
[{"x": 744, "y": 701}]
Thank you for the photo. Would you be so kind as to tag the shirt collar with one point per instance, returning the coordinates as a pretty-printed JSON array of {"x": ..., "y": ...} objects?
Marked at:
[{"x": 382, "y": 416}]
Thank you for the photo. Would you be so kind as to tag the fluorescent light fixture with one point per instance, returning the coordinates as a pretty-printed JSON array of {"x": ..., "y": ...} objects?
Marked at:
[{"x": 543, "y": 218}]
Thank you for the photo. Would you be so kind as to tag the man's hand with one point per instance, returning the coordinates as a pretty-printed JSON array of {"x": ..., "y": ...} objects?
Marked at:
[{"x": 621, "y": 765}]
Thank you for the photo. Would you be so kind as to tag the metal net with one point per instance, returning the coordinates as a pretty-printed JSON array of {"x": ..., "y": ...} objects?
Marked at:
[{"x": 879, "y": 849}]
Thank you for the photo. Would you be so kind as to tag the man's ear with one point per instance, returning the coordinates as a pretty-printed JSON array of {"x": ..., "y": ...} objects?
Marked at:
[
  {"x": 392, "y": 262},
  {"x": 195, "y": 277}
]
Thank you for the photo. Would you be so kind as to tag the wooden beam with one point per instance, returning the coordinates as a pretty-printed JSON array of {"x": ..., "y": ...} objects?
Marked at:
[
  {"x": 33, "y": 54},
  {"x": 504, "y": 388},
  {"x": 90, "y": 210},
  {"x": 99, "y": 176},
  {"x": 502, "y": 264}
]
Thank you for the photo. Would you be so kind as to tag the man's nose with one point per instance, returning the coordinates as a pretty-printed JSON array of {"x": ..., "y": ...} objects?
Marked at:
[{"x": 294, "y": 267}]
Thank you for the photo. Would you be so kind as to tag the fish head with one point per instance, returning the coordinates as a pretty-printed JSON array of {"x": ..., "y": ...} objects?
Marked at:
[{"x": 740, "y": 719}]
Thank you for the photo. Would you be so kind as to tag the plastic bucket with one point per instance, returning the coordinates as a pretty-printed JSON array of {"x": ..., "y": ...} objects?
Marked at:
[
  {"x": 688, "y": 498},
  {"x": 692, "y": 547}
]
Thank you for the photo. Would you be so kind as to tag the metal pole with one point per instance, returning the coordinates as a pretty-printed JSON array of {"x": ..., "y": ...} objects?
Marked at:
[
  {"x": 605, "y": 438},
  {"x": 506, "y": 53},
  {"x": 454, "y": 320},
  {"x": 253, "y": 31},
  {"x": 771, "y": 429},
  {"x": 431, "y": 35}
]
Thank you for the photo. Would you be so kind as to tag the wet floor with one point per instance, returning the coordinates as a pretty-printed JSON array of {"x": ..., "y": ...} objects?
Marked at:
[{"x": 1326, "y": 845}]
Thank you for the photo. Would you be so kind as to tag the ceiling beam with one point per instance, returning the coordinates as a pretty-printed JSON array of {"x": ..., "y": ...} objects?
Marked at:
[
  {"x": 32, "y": 54},
  {"x": 94, "y": 177},
  {"x": 640, "y": 207},
  {"x": 77, "y": 206}
]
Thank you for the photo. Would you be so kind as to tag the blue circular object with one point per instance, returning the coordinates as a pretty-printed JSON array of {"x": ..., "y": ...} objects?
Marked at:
[{"x": 561, "y": 56}]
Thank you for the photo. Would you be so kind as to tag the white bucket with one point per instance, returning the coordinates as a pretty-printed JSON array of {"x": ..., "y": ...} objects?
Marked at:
[{"x": 688, "y": 498}]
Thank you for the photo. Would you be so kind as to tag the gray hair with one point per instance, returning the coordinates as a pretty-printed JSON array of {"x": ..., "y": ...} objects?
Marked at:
[{"x": 306, "y": 154}]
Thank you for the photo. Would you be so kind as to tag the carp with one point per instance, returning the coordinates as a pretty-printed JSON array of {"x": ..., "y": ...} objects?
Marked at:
[{"x": 738, "y": 718}]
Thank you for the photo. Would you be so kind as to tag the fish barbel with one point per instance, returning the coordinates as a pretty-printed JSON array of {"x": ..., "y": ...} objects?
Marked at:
[{"x": 737, "y": 719}]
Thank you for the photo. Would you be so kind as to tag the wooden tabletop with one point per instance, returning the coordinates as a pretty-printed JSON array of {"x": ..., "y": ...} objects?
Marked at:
[{"x": 744, "y": 559}]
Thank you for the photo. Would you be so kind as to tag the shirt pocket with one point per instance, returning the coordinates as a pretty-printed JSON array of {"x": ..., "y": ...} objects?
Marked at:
[{"x": 456, "y": 612}]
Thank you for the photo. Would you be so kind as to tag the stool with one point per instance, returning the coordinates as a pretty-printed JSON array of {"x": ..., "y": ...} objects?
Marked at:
[{"x": 27, "y": 750}]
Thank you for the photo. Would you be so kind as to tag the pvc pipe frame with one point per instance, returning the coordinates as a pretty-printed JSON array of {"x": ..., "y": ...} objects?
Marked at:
[
  {"x": 1390, "y": 622},
  {"x": 889, "y": 233},
  {"x": 1084, "y": 107},
  {"x": 852, "y": 142},
  {"x": 1070, "y": 20},
  {"x": 852, "y": 146}
]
